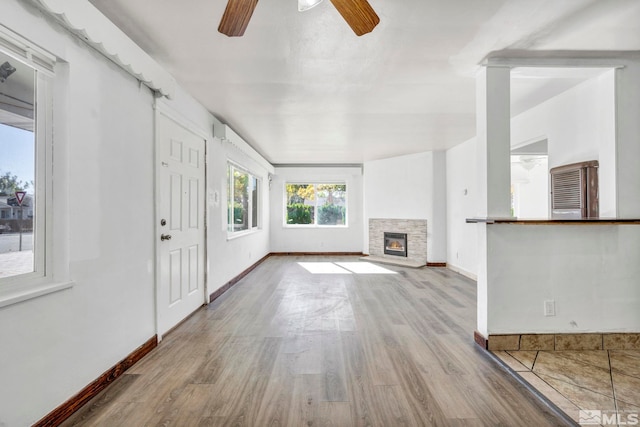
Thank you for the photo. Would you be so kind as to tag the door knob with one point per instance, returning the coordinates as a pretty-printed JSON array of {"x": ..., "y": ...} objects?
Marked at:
[{"x": 165, "y": 237}]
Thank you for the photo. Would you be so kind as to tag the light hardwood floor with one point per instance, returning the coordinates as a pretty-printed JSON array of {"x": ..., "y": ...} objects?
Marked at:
[{"x": 288, "y": 347}]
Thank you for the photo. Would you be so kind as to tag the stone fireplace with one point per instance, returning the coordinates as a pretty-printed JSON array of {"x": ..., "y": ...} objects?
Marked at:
[{"x": 414, "y": 232}]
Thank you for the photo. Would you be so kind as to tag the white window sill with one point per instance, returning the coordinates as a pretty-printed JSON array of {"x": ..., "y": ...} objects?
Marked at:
[
  {"x": 294, "y": 226},
  {"x": 15, "y": 293},
  {"x": 237, "y": 234}
]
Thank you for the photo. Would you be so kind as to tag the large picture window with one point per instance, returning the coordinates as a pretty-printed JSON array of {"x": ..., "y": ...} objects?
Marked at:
[
  {"x": 316, "y": 204},
  {"x": 243, "y": 201}
]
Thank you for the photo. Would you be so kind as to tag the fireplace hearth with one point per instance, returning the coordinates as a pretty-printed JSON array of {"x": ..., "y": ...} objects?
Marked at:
[{"x": 395, "y": 244}]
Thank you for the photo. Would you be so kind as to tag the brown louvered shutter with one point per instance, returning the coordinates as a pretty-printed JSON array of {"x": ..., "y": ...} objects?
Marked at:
[{"x": 574, "y": 190}]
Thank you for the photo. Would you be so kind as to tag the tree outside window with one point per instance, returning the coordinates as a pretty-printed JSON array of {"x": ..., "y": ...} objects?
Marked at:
[
  {"x": 316, "y": 204},
  {"x": 243, "y": 200}
]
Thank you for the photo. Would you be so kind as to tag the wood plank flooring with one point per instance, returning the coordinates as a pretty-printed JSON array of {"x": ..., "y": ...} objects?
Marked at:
[{"x": 285, "y": 347}]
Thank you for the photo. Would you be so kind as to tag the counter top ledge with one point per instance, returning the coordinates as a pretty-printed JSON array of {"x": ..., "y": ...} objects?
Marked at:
[{"x": 582, "y": 221}]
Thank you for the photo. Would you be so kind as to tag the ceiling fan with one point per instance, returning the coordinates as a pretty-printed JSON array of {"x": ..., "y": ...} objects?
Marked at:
[{"x": 358, "y": 13}]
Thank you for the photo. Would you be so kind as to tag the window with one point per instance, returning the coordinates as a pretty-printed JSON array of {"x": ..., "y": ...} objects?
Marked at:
[
  {"x": 243, "y": 201},
  {"x": 316, "y": 204},
  {"x": 19, "y": 190},
  {"x": 30, "y": 264}
]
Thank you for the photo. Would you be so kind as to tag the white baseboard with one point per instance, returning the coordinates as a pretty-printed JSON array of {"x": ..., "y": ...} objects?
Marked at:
[{"x": 462, "y": 271}]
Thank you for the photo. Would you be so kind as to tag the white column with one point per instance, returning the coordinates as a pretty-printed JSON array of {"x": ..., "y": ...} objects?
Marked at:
[
  {"x": 628, "y": 135},
  {"x": 493, "y": 134}
]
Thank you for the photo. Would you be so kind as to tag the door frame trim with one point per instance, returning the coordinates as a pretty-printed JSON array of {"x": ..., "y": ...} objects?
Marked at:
[{"x": 161, "y": 108}]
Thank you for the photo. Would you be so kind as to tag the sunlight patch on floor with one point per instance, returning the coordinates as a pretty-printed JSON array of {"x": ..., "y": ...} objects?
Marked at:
[
  {"x": 323, "y": 268},
  {"x": 365, "y": 268},
  {"x": 344, "y": 268}
]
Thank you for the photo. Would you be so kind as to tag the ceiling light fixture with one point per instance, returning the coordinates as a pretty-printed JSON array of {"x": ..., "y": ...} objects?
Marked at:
[
  {"x": 6, "y": 70},
  {"x": 358, "y": 13},
  {"x": 304, "y": 5}
]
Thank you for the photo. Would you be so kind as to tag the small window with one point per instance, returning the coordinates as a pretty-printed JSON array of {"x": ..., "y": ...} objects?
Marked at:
[
  {"x": 316, "y": 204},
  {"x": 243, "y": 200}
]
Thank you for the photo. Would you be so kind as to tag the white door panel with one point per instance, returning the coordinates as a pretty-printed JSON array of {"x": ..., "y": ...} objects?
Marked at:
[{"x": 181, "y": 192}]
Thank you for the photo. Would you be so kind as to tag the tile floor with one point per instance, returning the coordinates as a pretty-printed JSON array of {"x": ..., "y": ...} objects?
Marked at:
[{"x": 599, "y": 380}]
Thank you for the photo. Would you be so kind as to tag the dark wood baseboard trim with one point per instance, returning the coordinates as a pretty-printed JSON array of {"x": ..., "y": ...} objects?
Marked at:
[
  {"x": 480, "y": 340},
  {"x": 436, "y": 264},
  {"x": 224, "y": 288},
  {"x": 64, "y": 411},
  {"x": 316, "y": 253}
]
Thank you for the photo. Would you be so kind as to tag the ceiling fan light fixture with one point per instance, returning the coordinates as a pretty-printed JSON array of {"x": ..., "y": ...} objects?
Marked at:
[{"x": 304, "y": 5}]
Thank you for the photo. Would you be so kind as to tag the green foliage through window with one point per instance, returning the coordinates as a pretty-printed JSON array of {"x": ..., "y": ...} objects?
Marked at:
[
  {"x": 316, "y": 204},
  {"x": 299, "y": 213},
  {"x": 242, "y": 201}
]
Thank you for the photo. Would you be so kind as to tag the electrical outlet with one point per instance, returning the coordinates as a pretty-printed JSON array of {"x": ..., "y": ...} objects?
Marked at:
[{"x": 550, "y": 308}]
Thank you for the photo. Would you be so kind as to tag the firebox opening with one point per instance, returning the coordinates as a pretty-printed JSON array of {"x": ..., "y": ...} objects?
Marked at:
[{"x": 395, "y": 244}]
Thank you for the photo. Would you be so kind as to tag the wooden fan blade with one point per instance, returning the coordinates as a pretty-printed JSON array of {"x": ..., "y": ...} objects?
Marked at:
[
  {"x": 236, "y": 17},
  {"x": 359, "y": 15}
]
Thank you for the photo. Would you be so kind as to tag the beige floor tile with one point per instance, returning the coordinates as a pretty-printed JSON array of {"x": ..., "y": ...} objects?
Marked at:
[
  {"x": 580, "y": 374},
  {"x": 510, "y": 361},
  {"x": 575, "y": 380},
  {"x": 552, "y": 394},
  {"x": 581, "y": 397},
  {"x": 527, "y": 358},
  {"x": 627, "y": 408},
  {"x": 599, "y": 358},
  {"x": 626, "y": 362},
  {"x": 627, "y": 388}
]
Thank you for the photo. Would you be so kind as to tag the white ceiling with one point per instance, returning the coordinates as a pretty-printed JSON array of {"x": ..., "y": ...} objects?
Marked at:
[{"x": 302, "y": 88}]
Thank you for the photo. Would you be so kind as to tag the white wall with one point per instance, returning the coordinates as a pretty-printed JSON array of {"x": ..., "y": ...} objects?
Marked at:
[
  {"x": 591, "y": 272},
  {"x": 579, "y": 125},
  {"x": 462, "y": 247},
  {"x": 103, "y": 213},
  {"x": 310, "y": 239},
  {"x": 409, "y": 187},
  {"x": 530, "y": 189},
  {"x": 229, "y": 256}
]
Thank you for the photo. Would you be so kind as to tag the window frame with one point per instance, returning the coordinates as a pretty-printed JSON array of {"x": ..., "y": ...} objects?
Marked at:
[
  {"x": 42, "y": 280},
  {"x": 315, "y": 217},
  {"x": 251, "y": 208}
]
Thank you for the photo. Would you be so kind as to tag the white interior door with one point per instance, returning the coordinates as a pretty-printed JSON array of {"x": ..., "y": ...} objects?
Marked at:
[{"x": 181, "y": 225}]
